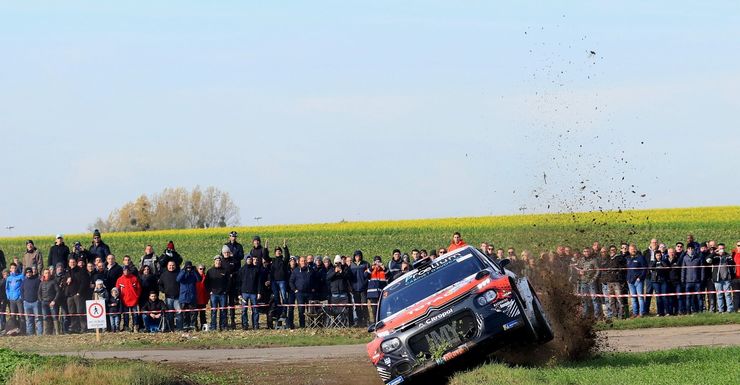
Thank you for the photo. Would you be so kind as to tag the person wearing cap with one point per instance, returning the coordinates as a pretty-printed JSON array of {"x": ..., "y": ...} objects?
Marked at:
[
  {"x": 236, "y": 248},
  {"x": 32, "y": 257},
  {"x": 170, "y": 254},
  {"x": 13, "y": 285},
  {"x": 171, "y": 288},
  {"x": 232, "y": 266},
  {"x": 47, "y": 294},
  {"x": 359, "y": 277},
  {"x": 58, "y": 252},
  {"x": 376, "y": 284},
  {"x": 98, "y": 248},
  {"x": 187, "y": 278},
  {"x": 217, "y": 284},
  {"x": 258, "y": 251},
  {"x": 279, "y": 276},
  {"x": 130, "y": 288},
  {"x": 30, "y": 295},
  {"x": 338, "y": 279}
]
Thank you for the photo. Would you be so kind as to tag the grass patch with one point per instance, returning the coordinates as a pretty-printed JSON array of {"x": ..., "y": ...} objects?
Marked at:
[
  {"x": 200, "y": 340},
  {"x": 672, "y": 321},
  {"x": 676, "y": 366}
]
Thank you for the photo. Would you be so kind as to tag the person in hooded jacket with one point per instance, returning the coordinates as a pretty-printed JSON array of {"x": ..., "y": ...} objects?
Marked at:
[
  {"x": 98, "y": 248},
  {"x": 258, "y": 251},
  {"x": 457, "y": 242},
  {"x": 187, "y": 278},
  {"x": 376, "y": 284},
  {"x": 250, "y": 283},
  {"x": 169, "y": 254},
  {"x": 58, "y": 252},
  {"x": 359, "y": 277}
]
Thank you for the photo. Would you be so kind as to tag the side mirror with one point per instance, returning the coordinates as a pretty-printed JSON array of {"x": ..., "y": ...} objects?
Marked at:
[
  {"x": 504, "y": 262},
  {"x": 375, "y": 326},
  {"x": 481, "y": 274}
]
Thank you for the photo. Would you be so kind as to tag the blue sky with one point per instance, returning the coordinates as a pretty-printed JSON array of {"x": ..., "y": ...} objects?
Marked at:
[{"x": 321, "y": 111}]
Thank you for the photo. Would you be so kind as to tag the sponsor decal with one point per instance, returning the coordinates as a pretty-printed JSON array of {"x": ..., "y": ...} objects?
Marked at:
[
  {"x": 511, "y": 324},
  {"x": 455, "y": 353},
  {"x": 387, "y": 361},
  {"x": 436, "y": 318},
  {"x": 444, "y": 334},
  {"x": 396, "y": 380}
]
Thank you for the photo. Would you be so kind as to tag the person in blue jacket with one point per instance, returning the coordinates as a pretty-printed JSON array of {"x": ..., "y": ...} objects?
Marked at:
[
  {"x": 359, "y": 278},
  {"x": 13, "y": 290},
  {"x": 636, "y": 272},
  {"x": 187, "y": 278},
  {"x": 692, "y": 275},
  {"x": 301, "y": 283}
]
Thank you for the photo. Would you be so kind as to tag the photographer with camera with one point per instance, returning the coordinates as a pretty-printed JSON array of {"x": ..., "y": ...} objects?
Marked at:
[{"x": 376, "y": 284}]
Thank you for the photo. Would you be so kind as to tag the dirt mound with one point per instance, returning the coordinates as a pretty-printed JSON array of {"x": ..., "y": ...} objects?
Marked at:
[{"x": 575, "y": 337}]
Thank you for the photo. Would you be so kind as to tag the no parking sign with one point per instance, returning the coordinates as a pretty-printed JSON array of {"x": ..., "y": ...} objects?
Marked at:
[{"x": 96, "y": 318}]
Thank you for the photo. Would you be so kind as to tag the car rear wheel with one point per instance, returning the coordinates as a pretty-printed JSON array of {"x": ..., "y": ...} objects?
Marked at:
[{"x": 543, "y": 328}]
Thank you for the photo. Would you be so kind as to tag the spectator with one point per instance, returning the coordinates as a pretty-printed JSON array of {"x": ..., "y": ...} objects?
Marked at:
[
  {"x": 148, "y": 283},
  {"x": 100, "y": 292},
  {"x": 265, "y": 300},
  {"x": 279, "y": 276},
  {"x": 201, "y": 297},
  {"x": 457, "y": 242},
  {"x": 723, "y": 270},
  {"x": 171, "y": 288},
  {"x": 360, "y": 275},
  {"x": 3, "y": 299},
  {"x": 588, "y": 275},
  {"x": 13, "y": 285},
  {"x": 47, "y": 293},
  {"x": 635, "y": 280},
  {"x": 112, "y": 271},
  {"x": 130, "y": 290},
  {"x": 3, "y": 264},
  {"x": 30, "y": 295},
  {"x": 301, "y": 284},
  {"x": 187, "y": 278},
  {"x": 151, "y": 260},
  {"x": 611, "y": 282},
  {"x": 232, "y": 266},
  {"x": 292, "y": 265},
  {"x": 217, "y": 283},
  {"x": 675, "y": 303},
  {"x": 319, "y": 279},
  {"x": 99, "y": 273},
  {"x": 154, "y": 310},
  {"x": 59, "y": 305},
  {"x": 707, "y": 284},
  {"x": 32, "y": 258},
  {"x": 415, "y": 255},
  {"x": 691, "y": 242},
  {"x": 691, "y": 278},
  {"x": 58, "y": 252},
  {"x": 376, "y": 284},
  {"x": 442, "y": 251},
  {"x": 98, "y": 248},
  {"x": 78, "y": 284},
  {"x": 114, "y": 310},
  {"x": 736, "y": 280},
  {"x": 236, "y": 248},
  {"x": 326, "y": 266},
  {"x": 250, "y": 280},
  {"x": 132, "y": 268},
  {"x": 394, "y": 265},
  {"x": 649, "y": 255},
  {"x": 169, "y": 254},
  {"x": 257, "y": 250},
  {"x": 659, "y": 278},
  {"x": 79, "y": 253}
]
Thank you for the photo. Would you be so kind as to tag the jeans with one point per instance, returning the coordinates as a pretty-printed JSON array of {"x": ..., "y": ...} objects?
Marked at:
[
  {"x": 291, "y": 309},
  {"x": 711, "y": 299},
  {"x": 613, "y": 305},
  {"x": 692, "y": 300},
  {"x": 3, "y": 309},
  {"x": 661, "y": 301},
  {"x": 674, "y": 303},
  {"x": 76, "y": 305},
  {"x": 49, "y": 316},
  {"x": 188, "y": 316},
  {"x": 218, "y": 301},
  {"x": 724, "y": 300},
  {"x": 302, "y": 299},
  {"x": 130, "y": 312},
  {"x": 589, "y": 289},
  {"x": 280, "y": 293},
  {"x": 174, "y": 320},
  {"x": 232, "y": 299},
  {"x": 115, "y": 322},
  {"x": 648, "y": 287},
  {"x": 33, "y": 315},
  {"x": 638, "y": 300},
  {"x": 250, "y": 300},
  {"x": 151, "y": 324}
]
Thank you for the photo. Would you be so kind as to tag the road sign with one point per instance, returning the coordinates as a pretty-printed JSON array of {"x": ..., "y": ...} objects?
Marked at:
[{"x": 96, "y": 318}]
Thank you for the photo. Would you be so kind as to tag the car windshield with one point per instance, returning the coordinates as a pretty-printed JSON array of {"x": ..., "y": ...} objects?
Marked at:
[{"x": 419, "y": 284}]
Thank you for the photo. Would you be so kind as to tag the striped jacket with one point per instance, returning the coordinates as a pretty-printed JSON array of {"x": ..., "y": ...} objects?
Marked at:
[{"x": 377, "y": 282}]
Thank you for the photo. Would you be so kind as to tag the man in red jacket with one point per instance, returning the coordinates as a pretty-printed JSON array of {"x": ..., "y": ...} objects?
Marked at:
[
  {"x": 457, "y": 242},
  {"x": 736, "y": 281},
  {"x": 130, "y": 289}
]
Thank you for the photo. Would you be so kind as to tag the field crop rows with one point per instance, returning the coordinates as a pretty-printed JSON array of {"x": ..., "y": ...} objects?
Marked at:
[{"x": 533, "y": 232}]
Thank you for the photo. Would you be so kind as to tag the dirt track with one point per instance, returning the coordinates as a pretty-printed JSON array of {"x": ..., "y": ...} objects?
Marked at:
[{"x": 357, "y": 369}]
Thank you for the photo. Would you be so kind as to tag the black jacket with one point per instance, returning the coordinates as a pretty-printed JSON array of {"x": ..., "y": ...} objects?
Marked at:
[
  {"x": 112, "y": 274},
  {"x": 48, "y": 290},
  {"x": 166, "y": 257},
  {"x": 237, "y": 250},
  {"x": 250, "y": 279},
  {"x": 616, "y": 262},
  {"x": 659, "y": 270},
  {"x": 217, "y": 280},
  {"x": 101, "y": 250},
  {"x": 58, "y": 254},
  {"x": 232, "y": 266},
  {"x": 156, "y": 306},
  {"x": 259, "y": 252},
  {"x": 338, "y": 282},
  {"x": 82, "y": 255},
  {"x": 148, "y": 283},
  {"x": 279, "y": 267},
  {"x": 301, "y": 280},
  {"x": 30, "y": 289},
  {"x": 168, "y": 284},
  {"x": 674, "y": 274}
]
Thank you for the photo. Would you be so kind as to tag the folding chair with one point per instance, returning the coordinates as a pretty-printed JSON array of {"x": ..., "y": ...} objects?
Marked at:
[
  {"x": 314, "y": 315},
  {"x": 337, "y": 316}
]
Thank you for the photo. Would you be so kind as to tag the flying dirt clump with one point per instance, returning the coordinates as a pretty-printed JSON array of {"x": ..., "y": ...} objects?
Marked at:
[{"x": 575, "y": 338}]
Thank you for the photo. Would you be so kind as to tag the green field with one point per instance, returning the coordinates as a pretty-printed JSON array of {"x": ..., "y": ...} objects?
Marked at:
[
  {"x": 533, "y": 232},
  {"x": 677, "y": 366}
]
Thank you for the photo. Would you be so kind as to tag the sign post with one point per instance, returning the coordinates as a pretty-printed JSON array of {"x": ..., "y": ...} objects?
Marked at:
[{"x": 96, "y": 318}]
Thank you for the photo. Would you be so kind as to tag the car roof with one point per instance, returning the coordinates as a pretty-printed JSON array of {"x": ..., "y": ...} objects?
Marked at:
[{"x": 443, "y": 256}]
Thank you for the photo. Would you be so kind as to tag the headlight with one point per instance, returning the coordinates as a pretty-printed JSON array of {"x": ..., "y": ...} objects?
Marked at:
[
  {"x": 486, "y": 297},
  {"x": 390, "y": 345}
]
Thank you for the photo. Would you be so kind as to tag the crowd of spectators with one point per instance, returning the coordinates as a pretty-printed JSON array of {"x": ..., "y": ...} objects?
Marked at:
[{"x": 167, "y": 293}]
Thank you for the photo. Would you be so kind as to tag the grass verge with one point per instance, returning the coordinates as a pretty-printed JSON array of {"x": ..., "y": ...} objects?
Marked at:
[
  {"x": 672, "y": 321},
  {"x": 676, "y": 366}
]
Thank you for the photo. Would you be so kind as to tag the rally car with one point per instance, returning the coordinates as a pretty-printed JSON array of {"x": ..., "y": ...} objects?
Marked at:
[{"x": 444, "y": 308}]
